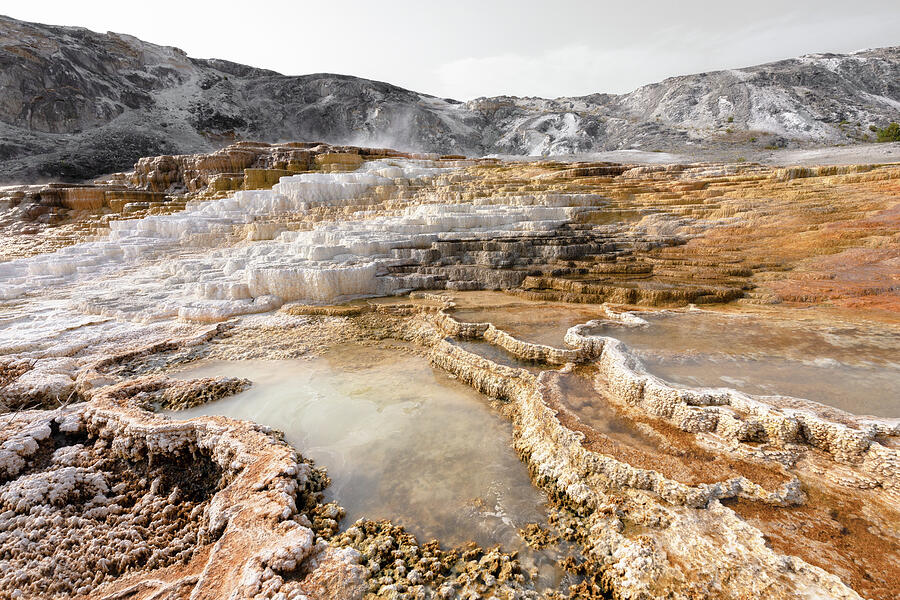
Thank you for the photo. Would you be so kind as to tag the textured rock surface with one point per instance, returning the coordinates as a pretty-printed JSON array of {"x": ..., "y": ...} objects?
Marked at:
[
  {"x": 703, "y": 493},
  {"x": 96, "y": 497},
  {"x": 76, "y": 104},
  {"x": 41, "y": 218},
  {"x": 666, "y": 235},
  {"x": 106, "y": 500},
  {"x": 594, "y": 477}
]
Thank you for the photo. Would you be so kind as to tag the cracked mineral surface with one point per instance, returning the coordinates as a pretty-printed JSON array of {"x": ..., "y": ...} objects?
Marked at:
[{"x": 310, "y": 371}]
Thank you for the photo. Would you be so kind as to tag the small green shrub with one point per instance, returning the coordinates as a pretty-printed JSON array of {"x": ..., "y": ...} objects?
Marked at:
[
  {"x": 753, "y": 139},
  {"x": 731, "y": 119},
  {"x": 873, "y": 129},
  {"x": 891, "y": 133}
]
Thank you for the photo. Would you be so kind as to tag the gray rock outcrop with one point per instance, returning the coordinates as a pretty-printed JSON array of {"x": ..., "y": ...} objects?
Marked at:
[{"x": 76, "y": 104}]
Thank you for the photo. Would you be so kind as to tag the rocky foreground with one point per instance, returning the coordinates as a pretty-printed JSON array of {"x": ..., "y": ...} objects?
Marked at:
[{"x": 255, "y": 251}]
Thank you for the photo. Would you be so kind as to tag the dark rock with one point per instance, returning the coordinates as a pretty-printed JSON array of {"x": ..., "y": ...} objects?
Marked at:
[{"x": 76, "y": 104}]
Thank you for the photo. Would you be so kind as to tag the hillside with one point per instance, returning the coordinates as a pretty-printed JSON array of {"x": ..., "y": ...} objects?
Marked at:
[{"x": 76, "y": 104}]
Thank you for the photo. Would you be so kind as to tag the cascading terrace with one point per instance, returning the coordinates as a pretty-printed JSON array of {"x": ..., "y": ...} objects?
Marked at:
[{"x": 654, "y": 489}]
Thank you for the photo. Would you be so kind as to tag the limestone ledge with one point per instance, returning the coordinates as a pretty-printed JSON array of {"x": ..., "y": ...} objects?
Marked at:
[
  {"x": 733, "y": 415},
  {"x": 498, "y": 337},
  {"x": 589, "y": 483},
  {"x": 530, "y": 394},
  {"x": 727, "y": 412}
]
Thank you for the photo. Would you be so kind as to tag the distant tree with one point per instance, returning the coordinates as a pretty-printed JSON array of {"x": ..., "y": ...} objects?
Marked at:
[{"x": 891, "y": 133}]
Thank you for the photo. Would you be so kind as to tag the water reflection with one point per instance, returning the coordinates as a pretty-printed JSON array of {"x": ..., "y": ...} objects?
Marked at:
[
  {"x": 400, "y": 439},
  {"x": 853, "y": 367},
  {"x": 536, "y": 322}
]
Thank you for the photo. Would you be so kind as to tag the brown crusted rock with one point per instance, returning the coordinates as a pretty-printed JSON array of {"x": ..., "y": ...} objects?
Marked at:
[{"x": 124, "y": 502}]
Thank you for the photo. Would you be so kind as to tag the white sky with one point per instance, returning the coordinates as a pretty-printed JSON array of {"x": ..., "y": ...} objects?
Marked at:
[{"x": 464, "y": 49}]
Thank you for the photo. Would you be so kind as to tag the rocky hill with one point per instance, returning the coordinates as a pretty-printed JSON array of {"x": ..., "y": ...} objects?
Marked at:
[{"x": 75, "y": 104}]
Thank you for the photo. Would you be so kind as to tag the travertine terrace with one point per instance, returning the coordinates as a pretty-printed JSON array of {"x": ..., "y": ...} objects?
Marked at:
[{"x": 261, "y": 251}]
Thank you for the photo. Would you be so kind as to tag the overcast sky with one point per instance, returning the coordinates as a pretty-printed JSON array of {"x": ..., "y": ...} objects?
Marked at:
[{"x": 464, "y": 49}]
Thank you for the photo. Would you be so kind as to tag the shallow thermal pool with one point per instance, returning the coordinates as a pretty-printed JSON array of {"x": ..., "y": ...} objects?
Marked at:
[
  {"x": 400, "y": 439},
  {"x": 501, "y": 356},
  {"x": 853, "y": 367},
  {"x": 528, "y": 320}
]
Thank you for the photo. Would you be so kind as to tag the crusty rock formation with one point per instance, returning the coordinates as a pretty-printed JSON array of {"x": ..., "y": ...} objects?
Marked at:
[
  {"x": 97, "y": 496},
  {"x": 248, "y": 165},
  {"x": 41, "y": 218},
  {"x": 688, "y": 492},
  {"x": 591, "y": 475},
  {"x": 104, "y": 499}
]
